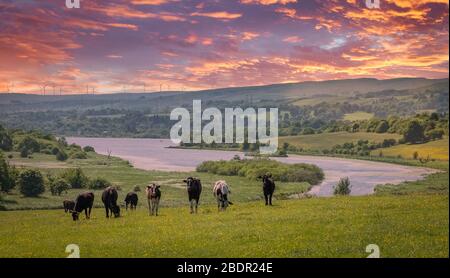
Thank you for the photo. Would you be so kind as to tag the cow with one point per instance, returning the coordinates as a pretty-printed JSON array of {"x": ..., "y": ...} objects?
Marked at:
[
  {"x": 84, "y": 201},
  {"x": 221, "y": 191},
  {"x": 68, "y": 205},
  {"x": 194, "y": 189},
  {"x": 153, "y": 196},
  {"x": 268, "y": 188},
  {"x": 109, "y": 199},
  {"x": 132, "y": 200}
]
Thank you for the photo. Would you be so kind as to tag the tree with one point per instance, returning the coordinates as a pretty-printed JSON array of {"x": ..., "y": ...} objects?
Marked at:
[
  {"x": 6, "y": 142},
  {"x": 382, "y": 127},
  {"x": 414, "y": 133},
  {"x": 75, "y": 178},
  {"x": 31, "y": 183},
  {"x": 30, "y": 144},
  {"x": 8, "y": 175}
]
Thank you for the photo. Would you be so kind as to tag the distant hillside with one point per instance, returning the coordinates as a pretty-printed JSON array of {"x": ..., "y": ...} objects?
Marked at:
[
  {"x": 276, "y": 92},
  {"x": 304, "y": 107}
]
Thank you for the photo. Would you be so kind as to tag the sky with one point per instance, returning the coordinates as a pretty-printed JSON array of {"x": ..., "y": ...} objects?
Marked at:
[{"x": 151, "y": 45}]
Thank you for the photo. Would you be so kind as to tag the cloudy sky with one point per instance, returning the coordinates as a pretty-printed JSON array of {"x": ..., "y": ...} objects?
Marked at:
[{"x": 126, "y": 45}]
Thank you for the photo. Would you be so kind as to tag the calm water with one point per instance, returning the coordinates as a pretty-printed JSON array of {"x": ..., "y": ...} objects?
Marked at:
[{"x": 153, "y": 154}]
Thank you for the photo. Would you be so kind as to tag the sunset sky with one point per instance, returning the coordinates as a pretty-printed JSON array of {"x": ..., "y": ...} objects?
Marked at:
[{"x": 124, "y": 45}]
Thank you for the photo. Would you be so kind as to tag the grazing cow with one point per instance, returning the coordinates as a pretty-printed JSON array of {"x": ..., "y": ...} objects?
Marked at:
[
  {"x": 132, "y": 200},
  {"x": 221, "y": 191},
  {"x": 194, "y": 189},
  {"x": 268, "y": 188},
  {"x": 84, "y": 201},
  {"x": 109, "y": 198},
  {"x": 68, "y": 205},
  {"x": 153, "y": 197}
]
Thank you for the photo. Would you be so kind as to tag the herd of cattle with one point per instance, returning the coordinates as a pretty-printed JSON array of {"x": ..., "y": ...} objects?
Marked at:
[{"x": 221, "y": 190}]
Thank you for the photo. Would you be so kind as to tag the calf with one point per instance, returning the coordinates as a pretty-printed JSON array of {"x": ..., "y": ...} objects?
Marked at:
[
  {"x": 109, "y": 198},
  {"x": 268, "y": 188},
  {"x": 132, "y": 200},
  {"x": 84, "y": 201},
  {"x": 194, "y": 189},
  {"x": 153, "y": 197},
  {"x": 68, "y": 205}
]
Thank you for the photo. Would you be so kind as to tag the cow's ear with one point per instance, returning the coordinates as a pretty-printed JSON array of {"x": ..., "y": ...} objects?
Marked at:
[{"x": 184, "y": 180}]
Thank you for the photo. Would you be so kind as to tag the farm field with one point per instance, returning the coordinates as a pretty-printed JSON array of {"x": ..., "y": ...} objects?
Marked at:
[
  {"x": 328, "y": 140},
  {"x": 435, "y": 149},
  {"x": 408, "y": 226},
  {"x": 358, "y": 116}
]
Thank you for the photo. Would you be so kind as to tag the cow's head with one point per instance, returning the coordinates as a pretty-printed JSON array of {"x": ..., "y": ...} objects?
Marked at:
[
  {"x": 190, "y": 181},
  {"x": 265, "y": 178},
  {"x": 116, "y": 211},
  {"x": 75, "y": 215}
]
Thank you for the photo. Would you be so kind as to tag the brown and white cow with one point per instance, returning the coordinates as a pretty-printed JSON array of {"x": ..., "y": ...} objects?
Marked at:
[{"x": 153, "y": 196}]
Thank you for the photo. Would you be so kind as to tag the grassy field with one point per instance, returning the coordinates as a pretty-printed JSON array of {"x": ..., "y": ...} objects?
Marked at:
[
  {"x": 358, "y": 116},
  {"x": 328, "y": 140},
  {"x": 121, "y": 174},
  {"x": 434, "y": 149},
  {"x": 409, "y": 226}
]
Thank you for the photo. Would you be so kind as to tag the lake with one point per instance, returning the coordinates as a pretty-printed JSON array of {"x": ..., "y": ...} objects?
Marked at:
[{"x": 154, "y": 154}]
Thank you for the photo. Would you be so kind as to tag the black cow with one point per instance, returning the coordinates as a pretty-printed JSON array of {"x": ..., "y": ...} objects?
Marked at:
[
  {"x": 68, "y": 205},
  {"x": 194, "y": 189},
  {"x": 84, "y": 201},
  {"x": 268, "y": 188},
  {"x": 109, "y": 199},
  {"x": 132, "y": 200}
]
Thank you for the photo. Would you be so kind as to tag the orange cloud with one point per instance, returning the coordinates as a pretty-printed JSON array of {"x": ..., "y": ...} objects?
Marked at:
[
  {"x": 268, "y": 2},
  {"x": 293, "y": 39},
  {"x": 218, "y": 15}
]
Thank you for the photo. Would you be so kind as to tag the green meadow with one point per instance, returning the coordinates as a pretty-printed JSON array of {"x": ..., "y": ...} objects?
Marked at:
[
  {"x": 406, "y": 226},
  {"x": 328, "y": 140}
]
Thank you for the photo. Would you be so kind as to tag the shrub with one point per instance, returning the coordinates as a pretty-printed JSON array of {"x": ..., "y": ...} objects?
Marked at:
[
  {"x": 30, "y": 144},
  {"x": 24, "y": 152},
  {"x": 99, "y": 183},
  {"x": 75, "y": 178},
  {"x": 61, "y": 156},
  {"x": 79, "y": 155},
  {"x": 31, "y": 183},
  {"x": 252, "y": 168},
  {"x": 88, "y": 149},
  {"x": 343, "y": 187},
  {"x": 58, "y": 186}
]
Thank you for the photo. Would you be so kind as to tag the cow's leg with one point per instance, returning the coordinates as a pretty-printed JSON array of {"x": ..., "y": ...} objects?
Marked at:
[
  {"x": 107, "y": 211},
  {"x": 191, "y": 205},
  {"x": 196, "y": 205},
  {"x": 157, "y": 207},
  {"x": 270, "y": 198},
  {"x": 90, "y": 208},
  {"x": 149, "y": 207}
]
